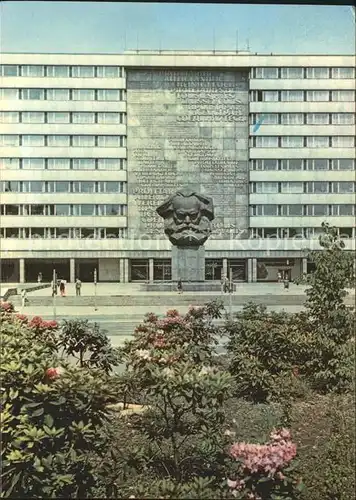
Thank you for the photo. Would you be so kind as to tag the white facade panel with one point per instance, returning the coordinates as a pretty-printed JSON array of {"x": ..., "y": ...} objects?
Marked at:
[
  {"x": 301, "y": 175},
  {"x": 62, "y": 128},
  {"x": 67, "y": 152},
  {"x": 35, "y": 105},
  {"x": 301, "y": 221},
  {"x": 305, "y": 84},
  {"x": 302, "y": 199},
  {"x": 70, "y": 175},
  {"x": 22, "y": 82},
  {"x": 109, "y": 270},
  {"x": 63, "y": 221},
  {"x": 305, "y": 130},
  {"x": 267, "y": 153},
  {"x": 302, "y": 107},
  {"x": 66, "y": 198}
]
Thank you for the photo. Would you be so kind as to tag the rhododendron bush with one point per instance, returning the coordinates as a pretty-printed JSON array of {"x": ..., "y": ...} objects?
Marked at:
[{"x": 50, "y": 413}]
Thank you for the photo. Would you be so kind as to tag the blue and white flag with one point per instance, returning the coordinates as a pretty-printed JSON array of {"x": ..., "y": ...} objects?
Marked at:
[{"x": 258, "y": 124}]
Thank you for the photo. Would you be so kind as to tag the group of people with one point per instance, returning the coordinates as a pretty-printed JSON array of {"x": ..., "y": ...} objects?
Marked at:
[
  {"x": 61, "y": 285},
  {"x": 225, "y": 285},
  {"x": 283, "y": 278}
]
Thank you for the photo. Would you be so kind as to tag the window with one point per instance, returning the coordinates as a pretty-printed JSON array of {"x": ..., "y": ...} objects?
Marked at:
[
  {"x": 10, "y": 70},
  {"x": 33, "y": 94},
  {"x": 110, "y": 164},
  {"x": 113, "y": 187},
  {"x": 32, "y": 140},
  {"x": 58, "y": 117},
  {"x": 292, "y": 164},
  {"x": 108, "y": 71},
  {"x": 343, "y": 95},
  {"x": 317, "y": 187},
  {"x": 292, "y": 119},
  {"x": 344, "y": 210},
  {"x": 11, "y": 209},
  {"x": 83, "y": 71},
  {"x": 292, "y": 141},
  {"x": 270, "y": 210},
  {"x": 320, "y": 210},
  {"x": 321, "y": 164},
  {"x": 9, "y": 140},
  {"x": 9, "y": 117},
  {"x": 343, "y": 73},
  {"x": 266, "y": 187},
  {"x": 83, "y": 141},
  {"x": 344, "y": 164},
  {"x": 266, "y": 142},
  {"x": 9, "y": 94},
  {"x": 292, "y": 95},
  {"x": 293, "y": 73},
  {"x": 12, "y": 232},
  {"x": 32, "y": 117},
  {"x": 58, "y": 163},
  {"x": 113, "y": 209},
  {"x": 62, "y": 232},
  {"x": 9, "y": 163},
  {"x": 343, "y": 187},
  {"x": 32, "y": 70},
  {"x": 266, "y": 73},
  {"x": 295, "y": 210},
  {"x": 58, "y": 94},
  {"x": 37, "y": 209},
  {"x": 88, "y": 210},
  {"x": 63, "y": 210},
  {"x": 318, "y": 141},
  {"x": 83, "y": 118},
  {"x": 83, "y": 95},
  {"x": 343, "y": 141},
  {"x": 318, "y": 95},
  {"x": 343, "y": 118},
  {"x": 266, "y": 118},
  {"x": 86, "y": 232},
  {"x": 9, "y": 186},
  {"x": 317, "y": 118},
  {"x": 346, "y": 232},
  {"x": 109, "y": 95},
  {"x": 318, "y": 73},
  {"x": 58, "y": 141},
  {"x": 87, "y": 187},
  {"x": 83, "y": 164},
  {"x": 109, "y": 118},
  {"x": 58, "y": 71},
  {"x": 33, "y": 163},
  {"x": 61, "y": 187},
  {"x": 291, "y": 187},
  {"x": 107, "y": 141},
  {"x": 32, "y": 186}
]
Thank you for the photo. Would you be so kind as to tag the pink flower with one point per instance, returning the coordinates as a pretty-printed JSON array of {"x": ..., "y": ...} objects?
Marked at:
[{"x": 54, "y": 373}]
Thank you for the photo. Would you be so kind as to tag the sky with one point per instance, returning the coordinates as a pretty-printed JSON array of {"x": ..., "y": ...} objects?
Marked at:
[{"x": 104, "y": 27}]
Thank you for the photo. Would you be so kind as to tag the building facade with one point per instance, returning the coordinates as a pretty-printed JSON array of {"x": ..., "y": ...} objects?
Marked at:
[{"x": 92, "y": 144}]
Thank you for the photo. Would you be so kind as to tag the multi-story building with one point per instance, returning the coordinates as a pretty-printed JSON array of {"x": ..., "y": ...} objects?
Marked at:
[{"x": 92, "y": 144}]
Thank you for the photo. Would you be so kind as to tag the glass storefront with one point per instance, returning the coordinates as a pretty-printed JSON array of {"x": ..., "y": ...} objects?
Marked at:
[
  {"x": 237, "y": 267},
  {"x": 162, "y": 270},
  {"x": 213, "y": 269},
  {"x": 46, "y": 266},
  {"x": 139, "y": 270}
]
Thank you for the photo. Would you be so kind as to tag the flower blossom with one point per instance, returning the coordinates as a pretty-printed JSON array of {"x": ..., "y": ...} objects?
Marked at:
[
  {"x": 143, "y": 353},
  {"x": 168, "y": 372},
  {"x": 54, "y": 373},
  {"x": 206, "y": 370},
  {"x": 267, "y": 458}
]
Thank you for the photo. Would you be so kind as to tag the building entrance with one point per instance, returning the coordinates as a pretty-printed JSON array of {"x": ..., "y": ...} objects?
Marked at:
[{"x": 46, "y": 266}]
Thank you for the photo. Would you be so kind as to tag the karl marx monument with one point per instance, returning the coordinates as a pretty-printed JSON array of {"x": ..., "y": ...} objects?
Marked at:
[{"x": 187, "y": 223}]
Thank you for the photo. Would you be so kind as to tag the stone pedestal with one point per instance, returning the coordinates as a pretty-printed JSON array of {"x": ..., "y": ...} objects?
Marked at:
[{"x": 188, "y": 264}]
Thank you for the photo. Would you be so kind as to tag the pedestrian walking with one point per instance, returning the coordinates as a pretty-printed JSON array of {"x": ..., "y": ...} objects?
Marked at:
[
  {"x": 78, "y": 286},
  {"x": 39, "y": 277},
  {"x": 23, "y": 297},
  {"x": 279, "y": 277},
  {"x": 62, "y": 288},
  {"x": 286, "y": 283},
  {"x": 226, "y": 285},
  {"x": 180, "y": 286},
  {"x": 54, "y": 288}
]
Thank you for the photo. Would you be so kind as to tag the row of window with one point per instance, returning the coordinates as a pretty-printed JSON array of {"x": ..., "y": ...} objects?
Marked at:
[
  {"x": 62, "y": 187},
  {"x": 301, "y": 73},
  {"x": 302, "y": 210},
  {"x": 108, "y": 233},
  {"x": 302, "y": 95},
  {"x": 303, "y": 118},
  {"x": 298, "y": 141},
  {"x": 61, "y": 117},
  {"x": 63, "y": 232},
  {"x": 297, "y": 232},
  {"x": 39, "y": 70},
  {"x": 63, "y": 163},
  {"x": 302, "y": 187},
  {"x": 63, "y": 94},
  {"x": 62, "y": 209},
  {"x": 36, "y": 140},
  {"x": 303, "y": 164}
]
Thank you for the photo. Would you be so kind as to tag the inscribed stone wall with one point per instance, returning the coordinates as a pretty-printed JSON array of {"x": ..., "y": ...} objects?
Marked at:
[{"x": 187, "y": 128}]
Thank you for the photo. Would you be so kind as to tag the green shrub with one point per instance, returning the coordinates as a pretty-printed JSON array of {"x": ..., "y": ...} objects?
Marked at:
[{"x": 50, "y": 413}]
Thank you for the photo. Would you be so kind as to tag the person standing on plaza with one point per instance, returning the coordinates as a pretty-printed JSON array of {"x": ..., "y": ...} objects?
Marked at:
[
  {"x": 62, "y": 288},
  {"x": 180, "y": 286},
  {"x": 39, "y": 277},
  {"x": 78, "y": 286},
  {"x": 23, "y": 297}
]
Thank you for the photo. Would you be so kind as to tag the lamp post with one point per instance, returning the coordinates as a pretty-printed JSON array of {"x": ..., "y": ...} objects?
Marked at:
[
  {"x": 95, "y": 282},
  {"x": 230, "y": 294},
  {"x": 54, "y": 292}
]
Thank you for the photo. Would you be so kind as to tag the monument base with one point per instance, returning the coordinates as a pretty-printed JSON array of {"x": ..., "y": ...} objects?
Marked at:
[
  {"x": 188, "y": 264},
  {"x": 202, "y": 286}
]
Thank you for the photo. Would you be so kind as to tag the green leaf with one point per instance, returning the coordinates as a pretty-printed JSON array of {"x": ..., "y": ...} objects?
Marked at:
[
  {"x": 48, "y": 420},
  {"x": 38, "y": 413}
]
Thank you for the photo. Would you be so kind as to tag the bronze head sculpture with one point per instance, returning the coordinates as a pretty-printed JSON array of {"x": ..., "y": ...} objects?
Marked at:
[{"x": 187, "y": 218}]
